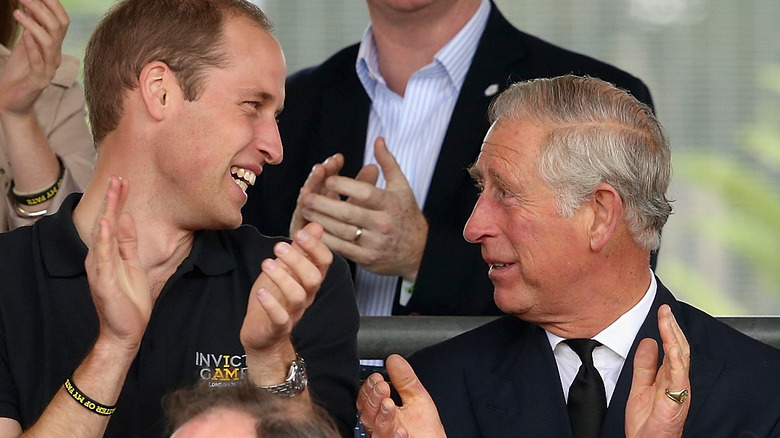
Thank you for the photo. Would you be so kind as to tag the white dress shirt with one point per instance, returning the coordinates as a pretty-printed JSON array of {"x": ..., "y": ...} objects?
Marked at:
[
  {"x": 616, "y": 343},
  {"x": 413, "y": 127}
]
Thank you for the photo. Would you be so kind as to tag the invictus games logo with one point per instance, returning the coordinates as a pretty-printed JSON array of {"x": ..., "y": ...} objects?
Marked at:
[{"x": 220, "y": 369}]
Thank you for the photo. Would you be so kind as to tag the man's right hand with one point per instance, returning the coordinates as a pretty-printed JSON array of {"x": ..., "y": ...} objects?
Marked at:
[
  {"x": 119, "y": 285},
  {"x": 381, "y": 418}
]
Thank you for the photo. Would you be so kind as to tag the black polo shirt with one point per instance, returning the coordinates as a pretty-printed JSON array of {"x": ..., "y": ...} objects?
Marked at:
[{"x": 48, "y": 324}]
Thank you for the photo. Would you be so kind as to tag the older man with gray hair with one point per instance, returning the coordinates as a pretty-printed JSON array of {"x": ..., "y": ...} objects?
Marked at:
[{"x": 573, "y": 175}]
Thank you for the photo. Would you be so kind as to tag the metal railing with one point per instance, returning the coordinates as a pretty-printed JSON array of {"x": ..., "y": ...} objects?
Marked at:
[{"x": 380, "y": 336}]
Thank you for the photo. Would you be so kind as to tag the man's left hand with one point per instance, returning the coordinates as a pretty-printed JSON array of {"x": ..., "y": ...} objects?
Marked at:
[
  {"x": 650, "y": 412},
  {"x": 282, "y": 292}
]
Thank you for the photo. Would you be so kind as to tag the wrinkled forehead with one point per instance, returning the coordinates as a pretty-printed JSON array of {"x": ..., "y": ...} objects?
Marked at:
[{"x": 512, "y": 144}]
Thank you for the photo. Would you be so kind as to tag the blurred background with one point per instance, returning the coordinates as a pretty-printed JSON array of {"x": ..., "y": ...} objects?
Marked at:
[{"x": 713, "y": 68}]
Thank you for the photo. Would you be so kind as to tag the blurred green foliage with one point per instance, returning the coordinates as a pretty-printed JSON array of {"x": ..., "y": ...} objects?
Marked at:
[{"x": 747, "y": 184}]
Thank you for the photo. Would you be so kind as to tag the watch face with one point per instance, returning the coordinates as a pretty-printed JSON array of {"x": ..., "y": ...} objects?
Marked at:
[
  {"x": 300, "y": 378},
  {"x": 296, "y": 381}
]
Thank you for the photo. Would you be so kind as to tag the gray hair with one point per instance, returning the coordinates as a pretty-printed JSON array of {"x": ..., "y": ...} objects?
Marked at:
[{"x": 597, "y": 134}]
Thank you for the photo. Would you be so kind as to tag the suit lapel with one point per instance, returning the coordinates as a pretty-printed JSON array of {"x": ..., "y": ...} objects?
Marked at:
[
  {"x": 346, "y": 101},
  {"x": 521, "y": 394},
  {"x": 499, "y": 49}
]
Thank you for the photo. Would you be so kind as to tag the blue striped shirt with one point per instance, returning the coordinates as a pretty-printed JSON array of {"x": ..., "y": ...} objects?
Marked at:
[{"x": 413, "y": 127}]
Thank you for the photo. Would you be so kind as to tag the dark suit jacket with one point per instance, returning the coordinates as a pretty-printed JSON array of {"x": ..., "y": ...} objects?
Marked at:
[
  {"x": 501, "y": 380},
  {"x": 326, "y": 111}
]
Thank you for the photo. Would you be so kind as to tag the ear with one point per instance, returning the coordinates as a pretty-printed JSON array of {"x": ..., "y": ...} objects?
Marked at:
[
  {"x": 156, "y": 83},
  {"x": 607, "y": 207}
]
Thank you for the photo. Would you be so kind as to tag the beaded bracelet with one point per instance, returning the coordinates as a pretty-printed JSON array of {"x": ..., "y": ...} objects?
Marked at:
[
  {"x": 34, "y": 199},
  {"x": 87, "y": 402}
]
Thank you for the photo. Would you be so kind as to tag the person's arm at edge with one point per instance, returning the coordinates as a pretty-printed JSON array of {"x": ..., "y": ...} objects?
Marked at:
[
  {"x": 123, "y": 302},
  {"x": 30, "y": 69}
]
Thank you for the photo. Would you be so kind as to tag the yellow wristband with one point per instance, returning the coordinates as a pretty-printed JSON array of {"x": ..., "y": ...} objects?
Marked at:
[
  {"x": 87, "y": 402},
  {"x": 33, "y": 199}
]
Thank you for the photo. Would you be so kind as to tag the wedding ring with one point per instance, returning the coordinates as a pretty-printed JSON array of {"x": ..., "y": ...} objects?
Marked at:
[
  {"x": 358, "y": 233},
  {"x": 678, "y": 397}
]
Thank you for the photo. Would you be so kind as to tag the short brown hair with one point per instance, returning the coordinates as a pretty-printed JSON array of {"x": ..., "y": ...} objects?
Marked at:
[
  {"x": 9, "y": 27},
  {"x": 187, "y": 35},
  {"x": 275, "y": 416}
]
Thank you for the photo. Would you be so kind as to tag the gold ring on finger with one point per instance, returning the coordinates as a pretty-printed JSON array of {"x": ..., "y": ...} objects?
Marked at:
[{"x": 678, "y": 397}]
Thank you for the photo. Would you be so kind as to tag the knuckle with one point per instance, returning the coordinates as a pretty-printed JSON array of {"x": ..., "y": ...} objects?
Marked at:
[{"x": 386, "y": 226}]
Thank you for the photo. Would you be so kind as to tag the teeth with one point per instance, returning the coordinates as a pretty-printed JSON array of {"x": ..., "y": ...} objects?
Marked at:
[
  {"x": 498, "y": 265},
  {"x": 243, "y": 177}
]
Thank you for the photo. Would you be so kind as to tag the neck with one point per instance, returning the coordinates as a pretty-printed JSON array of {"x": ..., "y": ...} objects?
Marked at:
[
  {"x": 162, "y": 246},
  {"x": 611, "y": 291},
  {"x": 407, "y": 40}
]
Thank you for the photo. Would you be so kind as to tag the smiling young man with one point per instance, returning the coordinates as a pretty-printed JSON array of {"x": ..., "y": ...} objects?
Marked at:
[{"x": 183, "y": 99}]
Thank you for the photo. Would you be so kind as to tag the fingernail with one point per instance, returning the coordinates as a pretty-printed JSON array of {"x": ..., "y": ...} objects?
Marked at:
[
  {"x": 303, "y": 236},
  {"x": 269, "y": 265},
  {"x": 282, "y": 248}
]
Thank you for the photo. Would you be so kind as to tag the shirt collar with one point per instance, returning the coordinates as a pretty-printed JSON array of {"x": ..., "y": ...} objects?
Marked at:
[
  {"x": 64, "y": 252},
  {"x": 455, "y": 57},
  {"x": 210, "y": 253},
  {"x": 620, "y": 335}
]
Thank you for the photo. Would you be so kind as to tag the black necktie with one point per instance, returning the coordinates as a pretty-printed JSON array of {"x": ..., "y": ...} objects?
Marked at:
[{"x": 587, "y": 399}]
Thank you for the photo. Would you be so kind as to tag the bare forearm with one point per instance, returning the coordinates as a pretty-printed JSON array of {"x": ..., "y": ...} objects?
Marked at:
[
  {"x": 33, "y": 162},
  {"x": 101, "y": 377}
]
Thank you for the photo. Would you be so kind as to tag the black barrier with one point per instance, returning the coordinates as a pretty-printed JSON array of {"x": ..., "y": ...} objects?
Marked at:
[{"x": 380, "y": 336}]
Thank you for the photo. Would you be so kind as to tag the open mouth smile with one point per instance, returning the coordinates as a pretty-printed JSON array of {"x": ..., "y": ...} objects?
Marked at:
[{"x": 243, "y": 177}]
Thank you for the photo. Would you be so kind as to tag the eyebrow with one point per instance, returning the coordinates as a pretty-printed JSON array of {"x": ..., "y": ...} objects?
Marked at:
[
  {"x": 263, "y": 97},
  {"x": 474, "y": 171}
]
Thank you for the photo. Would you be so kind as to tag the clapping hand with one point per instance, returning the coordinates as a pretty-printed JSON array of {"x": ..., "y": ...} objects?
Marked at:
[
  {"x": 381, "y": 418},
  {"x": 117, "y": 281},
  {"x": 285, "y": 289},
  {"x": 35, "y": 57},
  {"x": 660, "y": 398},
  {"x": 382, "y": 230}
]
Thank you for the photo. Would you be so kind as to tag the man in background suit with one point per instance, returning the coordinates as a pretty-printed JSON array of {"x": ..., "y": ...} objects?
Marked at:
[
  {"x": 422, "y": 78},
  {"x": 574, "y": 175}
]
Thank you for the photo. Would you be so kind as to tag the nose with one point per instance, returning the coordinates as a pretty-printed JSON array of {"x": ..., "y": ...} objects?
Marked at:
[
  {"x": 269, "y": 143},
  {"x": 480, "y": 223}
]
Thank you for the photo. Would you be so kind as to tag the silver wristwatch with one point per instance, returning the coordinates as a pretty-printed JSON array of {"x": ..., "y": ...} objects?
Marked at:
[{"x": 295, "y": 382}]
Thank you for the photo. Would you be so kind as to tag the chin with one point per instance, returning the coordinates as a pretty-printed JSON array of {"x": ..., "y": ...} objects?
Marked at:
[
  {"x": 224, "y": 223},
  {"x": 512, "y": 302}
]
